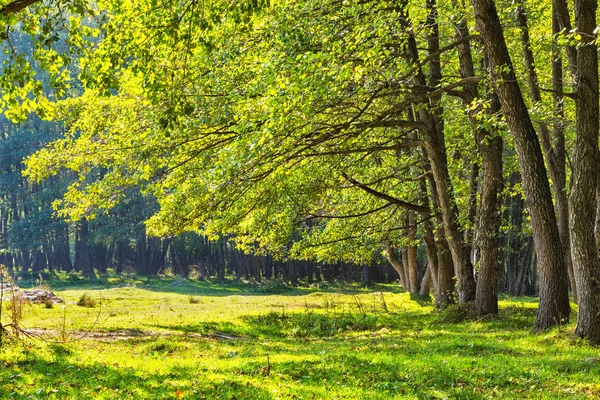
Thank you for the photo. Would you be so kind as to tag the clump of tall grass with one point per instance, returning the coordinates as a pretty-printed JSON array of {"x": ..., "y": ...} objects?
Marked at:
[{"x": 87, "y": 301}]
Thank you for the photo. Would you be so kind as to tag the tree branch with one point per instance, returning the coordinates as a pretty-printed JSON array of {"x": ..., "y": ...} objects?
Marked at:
[
  {"x": 313, "y": 216},
  {"x": 16, "y": 6},
  {"x": 391, "y": 199}
]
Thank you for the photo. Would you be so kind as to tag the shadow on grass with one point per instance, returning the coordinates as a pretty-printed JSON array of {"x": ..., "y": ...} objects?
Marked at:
[
  {"x": 423, "y": 301},
  {"x": 214, "y": 288},
  {"x": 308, "y": 324},
  {"x": 311, "y": 323},
  {"x": 64, "y": 379}
]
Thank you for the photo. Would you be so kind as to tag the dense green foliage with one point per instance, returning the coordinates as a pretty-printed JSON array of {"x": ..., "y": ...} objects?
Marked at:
[{"x": 251, "y": 133}]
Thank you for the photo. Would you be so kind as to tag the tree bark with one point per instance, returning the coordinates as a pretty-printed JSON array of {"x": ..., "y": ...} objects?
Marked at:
[
  {"x": 411, "y": 252},
  {"x": 444, "y": 277},
  {"x": 585, "y": 170},
  {"x": 514, "y": 243},
  {"x": 489, "y": 144},
  {"x": 397, "y": 264},
  {"x": 554, "y": 301},
  {"x": 555, "y": 156},
  {"x": 85, "y": 257},
  {"x": 425, "y": 283},
  {"x": 435, "y": 148},
  {"x": 16, "y": 6}
]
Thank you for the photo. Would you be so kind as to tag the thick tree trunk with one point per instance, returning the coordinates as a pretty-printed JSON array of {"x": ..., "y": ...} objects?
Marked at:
[
  {"x": 486, "y": 298},
  {"x": 397, "y": 264},
  {"x": 584, "y": 175},
  {"x": 489, "y": 144},
  {"x": 597, "y": 224},
  {"x": 554, "y": 301},
  {"x": 555, "y": 156}
]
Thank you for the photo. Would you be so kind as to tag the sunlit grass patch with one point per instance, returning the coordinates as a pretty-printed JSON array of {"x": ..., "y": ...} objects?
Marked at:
[{"x": 147, "y": 341}]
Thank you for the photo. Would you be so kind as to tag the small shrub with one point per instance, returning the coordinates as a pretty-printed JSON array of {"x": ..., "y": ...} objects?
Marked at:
[
  {"x": 164, "y": 346},
  {"x": 457, "y": 313},
  {"x": 48, "y": 303},
  {"x": 86, "y": 301},
  {"x": 75, "y": 277},
  {"x": 314, "y": 324},
  {"x": 273, "y": 286},
  {"x": 16, "y": 304},
  {"x": 41, "y": 284}
]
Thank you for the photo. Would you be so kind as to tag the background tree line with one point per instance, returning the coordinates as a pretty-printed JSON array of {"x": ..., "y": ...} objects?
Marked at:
[{"x": 35, "y": 240}]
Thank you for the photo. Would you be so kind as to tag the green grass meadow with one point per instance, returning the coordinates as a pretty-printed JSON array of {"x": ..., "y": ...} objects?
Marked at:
[{"x": 172, "y": 338}]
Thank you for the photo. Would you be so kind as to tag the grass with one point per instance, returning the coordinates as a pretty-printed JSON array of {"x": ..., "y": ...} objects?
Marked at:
[
  {"x": 87, "y": 301},
  {"x": 147, "y": 340}
]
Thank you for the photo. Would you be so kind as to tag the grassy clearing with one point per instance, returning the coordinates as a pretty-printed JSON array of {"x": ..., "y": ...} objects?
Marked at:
[{"x": 147, "y": 340}]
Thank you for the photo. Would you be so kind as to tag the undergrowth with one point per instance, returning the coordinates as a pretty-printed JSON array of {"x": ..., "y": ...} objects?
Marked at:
[
  {"x": 313, "y": 324},
  {"x": 87, "y": 301}
]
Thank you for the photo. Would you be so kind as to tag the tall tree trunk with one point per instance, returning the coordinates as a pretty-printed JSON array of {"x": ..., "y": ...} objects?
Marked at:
[
  {"x": 554, "y": 300},
  {"x": 85, "y": 257},
  {"x": 489, "y": 144},
  {"x": 555, "y": 156},
  {"x": 366, "y": 276},
  {"x": 524, "y": 269},
  {"x": 445, "y": 281},
  {"x": 435, "y": 148},
  {"x": 141, "y": 264},
  {"x": 486, "y": 299},
  {"x": 597, "y": 224},
  {"x": 411, "y": 252},
  {"x": 585, "y": 170},
  {"x": 514, "y": 237},
  {"x": 431, "y": 252},
  {"x": 425, "y": 283},
  {"x": 256, "y": 262},
  {"x": 397, "y": 264},
  {"x": 472, "y": 207}
]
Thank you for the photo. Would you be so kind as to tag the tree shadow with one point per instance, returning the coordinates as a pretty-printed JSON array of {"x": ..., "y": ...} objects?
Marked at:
[
  {"x": 61, "y": 378},
  {"x": 212, "y": 288},
  {"x": 423, "y": 301}
]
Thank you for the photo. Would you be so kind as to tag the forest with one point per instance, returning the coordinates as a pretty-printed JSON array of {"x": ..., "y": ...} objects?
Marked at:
[{"x": 332, "y": 172}]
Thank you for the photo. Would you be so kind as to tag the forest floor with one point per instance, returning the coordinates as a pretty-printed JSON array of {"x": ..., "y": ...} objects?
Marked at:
[{"x": 154, "y": 338}]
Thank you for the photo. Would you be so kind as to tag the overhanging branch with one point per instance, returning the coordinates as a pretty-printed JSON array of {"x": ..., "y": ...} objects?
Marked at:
[
  {"x": 391, "y": 199},
  {"x": 16, "y": 6}
]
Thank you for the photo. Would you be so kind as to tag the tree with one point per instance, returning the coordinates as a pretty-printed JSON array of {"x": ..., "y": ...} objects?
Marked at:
[
  {"x": 554, "y": 302},
  {"x": 262, "y": 157},
  {"x": 585, "y": 165}
]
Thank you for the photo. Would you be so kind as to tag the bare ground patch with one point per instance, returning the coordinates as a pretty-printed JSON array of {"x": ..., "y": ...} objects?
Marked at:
[{"x": 126, "y": 334}]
